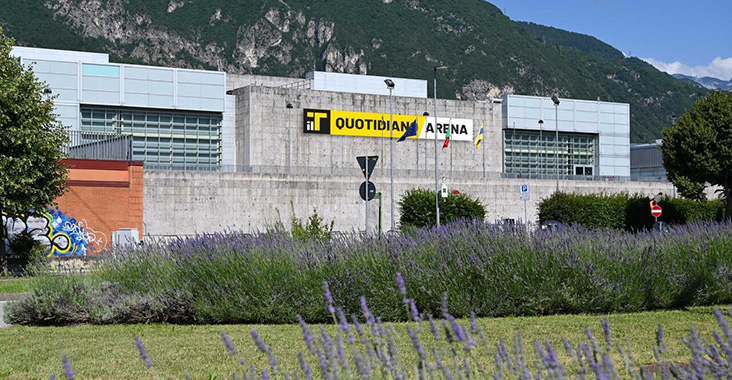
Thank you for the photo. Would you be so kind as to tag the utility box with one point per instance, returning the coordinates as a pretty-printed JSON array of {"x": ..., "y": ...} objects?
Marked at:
[{"x": 125, "y": 237}]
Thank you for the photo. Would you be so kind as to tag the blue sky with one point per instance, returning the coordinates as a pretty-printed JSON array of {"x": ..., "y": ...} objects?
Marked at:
[{"x": 688, "y": 37}]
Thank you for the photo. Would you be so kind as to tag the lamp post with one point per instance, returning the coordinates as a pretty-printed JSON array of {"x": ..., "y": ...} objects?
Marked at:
[
  {"x": 425, "y": 147},
  {"x": 556, "y": 138},
  {"x": 390, "y": 86},
  {"x": 289, "y": 143},
  {"x": 437, "y": 167},
  {"x": 539, "y": 150}
]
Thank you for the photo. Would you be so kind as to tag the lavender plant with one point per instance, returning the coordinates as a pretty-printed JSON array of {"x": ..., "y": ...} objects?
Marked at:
[
  {"x": 358, "y": 353},
  {"x": 489, "y": 270}
]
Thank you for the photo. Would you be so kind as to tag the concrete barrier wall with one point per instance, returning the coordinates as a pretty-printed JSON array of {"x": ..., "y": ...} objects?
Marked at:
[{"x": 184, "y": 203}]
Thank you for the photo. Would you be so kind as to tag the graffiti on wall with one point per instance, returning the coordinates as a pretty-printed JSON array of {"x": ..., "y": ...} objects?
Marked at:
[{"x": 64, "y": 235}]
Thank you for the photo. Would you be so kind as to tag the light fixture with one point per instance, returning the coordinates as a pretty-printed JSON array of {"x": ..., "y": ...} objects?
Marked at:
[{"x": 389, "y": 83}]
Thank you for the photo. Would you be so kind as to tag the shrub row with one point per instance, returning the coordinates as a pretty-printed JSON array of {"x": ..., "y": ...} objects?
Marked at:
[
  {"x": 624, "y": 211},
  {"x": 489, "y": 270},
  {"x": 417, "y": 208}
]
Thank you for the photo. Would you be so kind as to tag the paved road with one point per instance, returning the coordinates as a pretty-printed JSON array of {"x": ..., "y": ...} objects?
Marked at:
[{"x": 2, "y": 323}]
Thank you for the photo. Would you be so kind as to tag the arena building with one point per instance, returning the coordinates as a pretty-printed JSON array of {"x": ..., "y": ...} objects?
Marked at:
[{"x": 226, "y": 151}]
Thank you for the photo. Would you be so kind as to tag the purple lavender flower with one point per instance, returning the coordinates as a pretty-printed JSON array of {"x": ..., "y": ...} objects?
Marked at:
[
  {"x": 67, "y": 368},
  {"x": 433, "y": 328},
  {"x": 457, "y": 329},
  {"x": 606, "y": 330},
  {"x": 304, "y": 366},
  {"x": 258, "y": 341},
  {"x": 188, "y": 377},
  {"x": 143, "y": 353},
  {"x": 659, "y": 339},
  {"x": 416, "y": 343},
  {"x": 473, "y": 323},
  {"x": 272, "y": 361},
  {"x": 414, "y": 311},
  {"x": 357, "y": 325},
  {"x": 363, "y": 370},
  {"x": 306, "y": 333},
  {"x": 52, "y": 377},
  {"x": 328, "y": 298},
  {"x": 342, "y": 321},
  {"x": 367, "y": 313},
  {"x": 229, "y": 345},
  {"x": 400, "y": 284},
  {"x": 265, "y": 376}
]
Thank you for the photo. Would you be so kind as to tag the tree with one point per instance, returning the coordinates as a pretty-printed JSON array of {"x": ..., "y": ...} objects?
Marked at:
[
  {"x": 697, "y": 150},
  {"x": 31, "y": 174}
]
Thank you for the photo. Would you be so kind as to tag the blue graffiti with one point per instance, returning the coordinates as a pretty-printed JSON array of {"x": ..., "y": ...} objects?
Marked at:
[{"x": 64, "y": 235}]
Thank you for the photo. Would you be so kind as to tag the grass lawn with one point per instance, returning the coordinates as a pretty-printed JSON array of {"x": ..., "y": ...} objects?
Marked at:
[
  {"x": 109, "y": 352},
  {"x": 14, "y": 285}
]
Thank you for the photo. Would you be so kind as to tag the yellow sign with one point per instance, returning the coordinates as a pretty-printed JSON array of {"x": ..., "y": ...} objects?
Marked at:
[{"x": 365, "y": 124}]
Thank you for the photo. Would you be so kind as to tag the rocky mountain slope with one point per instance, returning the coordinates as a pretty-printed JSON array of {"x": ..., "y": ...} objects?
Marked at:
[
  {"x": 488, "y": 54},
  {"x": 708, "y": 82}
]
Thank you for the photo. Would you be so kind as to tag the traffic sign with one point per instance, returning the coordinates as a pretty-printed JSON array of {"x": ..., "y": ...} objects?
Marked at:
[
  {"x": 372, "y": 164},
  {"x": 371, "y": 190},
  {"x": 525, "y": 193},
  {"x": 656, "y": 210}
]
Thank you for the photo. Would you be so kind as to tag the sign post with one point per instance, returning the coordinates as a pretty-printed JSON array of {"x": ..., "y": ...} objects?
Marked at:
[
  {"x": 367, "y": 190},
  {"x": 525, "y": 196}
]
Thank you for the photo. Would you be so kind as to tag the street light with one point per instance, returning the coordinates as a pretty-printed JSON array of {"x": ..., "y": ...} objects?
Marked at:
[
  {"x": 425, "y": 146},
  {"x": 540, "y": 150},
  {"x": 289, "y": 142},
  {"x": 556, "y": 138},
  {"x": 437, "y": 167},
  {"x": 390, "y": 86}
]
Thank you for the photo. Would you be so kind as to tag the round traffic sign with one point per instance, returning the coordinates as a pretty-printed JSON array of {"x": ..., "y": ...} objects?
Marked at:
[
  {"x": 371, "y": 190},
  {"x": 656, "y": 210}
]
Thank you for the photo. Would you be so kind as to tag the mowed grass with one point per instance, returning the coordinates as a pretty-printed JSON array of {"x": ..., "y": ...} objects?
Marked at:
[
  {"x": 14, "y": 285},
  {"x": 109, "y": 352}
]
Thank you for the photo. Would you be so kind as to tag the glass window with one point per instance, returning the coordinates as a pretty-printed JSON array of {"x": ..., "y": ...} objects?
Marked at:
[
  {"x": 537, "y": 153},
  {"x": 183, "y": 137}
]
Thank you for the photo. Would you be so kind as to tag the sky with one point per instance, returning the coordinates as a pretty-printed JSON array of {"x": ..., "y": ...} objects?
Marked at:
[{"x": 688, "y": 37}]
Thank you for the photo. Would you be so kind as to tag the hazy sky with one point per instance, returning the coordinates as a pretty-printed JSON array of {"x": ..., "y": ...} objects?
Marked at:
[{"x": 688, "y": 37}]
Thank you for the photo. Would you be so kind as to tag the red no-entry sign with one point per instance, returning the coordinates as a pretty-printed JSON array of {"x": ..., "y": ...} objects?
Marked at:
[{"x": 656, "y": 210}]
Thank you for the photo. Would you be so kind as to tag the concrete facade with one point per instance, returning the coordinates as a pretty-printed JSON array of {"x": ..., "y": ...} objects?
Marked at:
[
  {"x": 186, "y": 203},
  {"x": 270, "y": 138}
]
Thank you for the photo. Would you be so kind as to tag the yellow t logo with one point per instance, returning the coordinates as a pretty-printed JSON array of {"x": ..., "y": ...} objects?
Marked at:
[{"x": 316, "y": 116}]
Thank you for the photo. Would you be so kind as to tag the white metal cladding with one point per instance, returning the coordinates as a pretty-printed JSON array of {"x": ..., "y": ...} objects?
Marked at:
[
  {"x": 367, "y": 84},
  {"x": 610, "y": 121},
  {"x": 87, "y": 78}
]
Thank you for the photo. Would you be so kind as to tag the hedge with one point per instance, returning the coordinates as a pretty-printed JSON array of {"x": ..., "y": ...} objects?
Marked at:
[{"x": 625, "y": 211}]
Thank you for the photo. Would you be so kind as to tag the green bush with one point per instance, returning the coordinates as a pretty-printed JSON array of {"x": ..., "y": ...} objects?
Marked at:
[
  {"x": 417, "y": 208},
  {"x": 27, "y": 253},
  {"x": 624, "y": 211},
  {"x": 314, "y": 228}
]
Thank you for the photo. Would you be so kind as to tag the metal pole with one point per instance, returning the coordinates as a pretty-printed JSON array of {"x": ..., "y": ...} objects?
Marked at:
[
  {"x": 391, "y": 158},
  {"x": 367, "y": 196},
  {"x": 540, "y": 151},
  {"x": 556, "y": 143},
  {"x": 437, "y": 169},
  {"x": 526, "y": 218},
  {"x": 379, "y": 194}
]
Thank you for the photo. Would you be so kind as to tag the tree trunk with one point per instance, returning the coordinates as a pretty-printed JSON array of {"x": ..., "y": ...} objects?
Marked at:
[{"x": 3, "y": 252}]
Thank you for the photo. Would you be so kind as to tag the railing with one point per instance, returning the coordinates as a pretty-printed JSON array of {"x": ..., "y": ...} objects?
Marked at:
[
  {"x": 380, "y": 172},
  {"x": 98, "y": 145}
]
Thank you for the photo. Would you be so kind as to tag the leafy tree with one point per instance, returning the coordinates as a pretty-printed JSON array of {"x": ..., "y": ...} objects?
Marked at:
[
  {"x": 31, "y": 174},
  {"x": 697, "y": 150}
]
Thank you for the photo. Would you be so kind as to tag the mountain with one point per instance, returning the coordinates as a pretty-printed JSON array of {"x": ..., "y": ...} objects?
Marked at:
[
  {"x": 707, "y": 82},
  {"x": 487, "y": 53}
]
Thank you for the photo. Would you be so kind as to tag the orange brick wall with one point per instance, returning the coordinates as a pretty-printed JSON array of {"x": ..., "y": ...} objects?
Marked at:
[{"x": 104, "y": 196}]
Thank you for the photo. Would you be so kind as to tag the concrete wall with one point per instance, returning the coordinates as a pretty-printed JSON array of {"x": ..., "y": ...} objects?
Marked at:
[
  {"x": 234, "y": 81},
  {"x": 182, "y": 203},
  {"x": 270, "y": 137}
]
